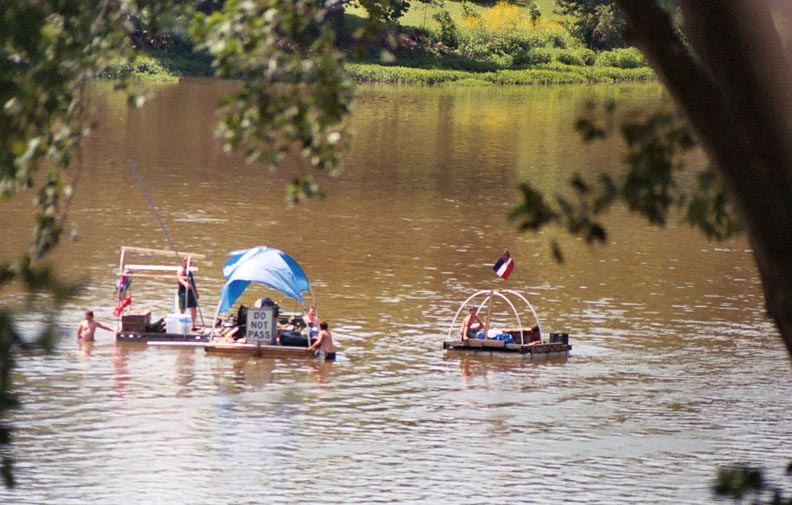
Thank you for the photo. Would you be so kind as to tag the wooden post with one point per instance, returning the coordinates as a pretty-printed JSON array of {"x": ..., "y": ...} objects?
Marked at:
[
  {"x": 489, "y": 312},
  {"x": 214, "y": 322}
]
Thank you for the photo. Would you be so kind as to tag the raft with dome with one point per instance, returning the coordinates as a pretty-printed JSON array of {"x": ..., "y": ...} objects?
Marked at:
[{"x": 511, "y": 325}]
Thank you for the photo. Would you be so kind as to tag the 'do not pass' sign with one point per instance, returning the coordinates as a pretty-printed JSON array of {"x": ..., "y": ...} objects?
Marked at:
[{"x": 261, "y": 325}]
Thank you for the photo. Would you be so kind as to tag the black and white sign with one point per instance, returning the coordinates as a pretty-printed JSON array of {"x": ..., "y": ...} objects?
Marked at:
[{"x": 261, "y": 325}]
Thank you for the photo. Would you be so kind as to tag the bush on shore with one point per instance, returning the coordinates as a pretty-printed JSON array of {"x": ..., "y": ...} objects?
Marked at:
[{"x": 553, "y": 73}]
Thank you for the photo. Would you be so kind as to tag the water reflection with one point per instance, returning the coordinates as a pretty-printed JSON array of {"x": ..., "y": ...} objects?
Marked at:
[
  {"x": 120, "y": 367},
  {"x": 321, "y": 371},
  {"x": 241, "y": 373},
  {"x": 185, "y": 371}
]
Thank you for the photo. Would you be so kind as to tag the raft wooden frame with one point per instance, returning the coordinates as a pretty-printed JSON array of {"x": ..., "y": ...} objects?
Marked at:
[
  {"x": 131, "y": 336},
  {"x": 258, "y": 350},
  {"x": 534, "y": 350}
]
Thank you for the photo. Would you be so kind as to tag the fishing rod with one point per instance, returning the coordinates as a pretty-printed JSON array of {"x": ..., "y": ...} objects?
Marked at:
[{"x": 162, "y": 225}]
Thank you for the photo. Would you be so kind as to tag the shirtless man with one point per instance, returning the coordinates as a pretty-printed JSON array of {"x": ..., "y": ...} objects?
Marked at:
[
  {"x": 325, "y": 341},
  {"x": 471, "y": 325},
  {"x": 87, "y": 327}
]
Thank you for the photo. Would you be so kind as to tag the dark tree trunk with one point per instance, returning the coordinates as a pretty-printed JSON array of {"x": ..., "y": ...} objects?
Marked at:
[{"x": 736, "y": 92}]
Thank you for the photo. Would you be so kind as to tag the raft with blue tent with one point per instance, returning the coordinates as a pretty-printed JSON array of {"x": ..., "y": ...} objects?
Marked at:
[
  {"x": 511, "y": 325},
  {"x": 262, "y": 329},
  {"x": 267, "y": 331}
]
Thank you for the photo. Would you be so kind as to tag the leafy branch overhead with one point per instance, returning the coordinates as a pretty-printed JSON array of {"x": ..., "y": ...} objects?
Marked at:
[
  {"x": 295, "y": 91},
  {"x": 654, "y": 183}
]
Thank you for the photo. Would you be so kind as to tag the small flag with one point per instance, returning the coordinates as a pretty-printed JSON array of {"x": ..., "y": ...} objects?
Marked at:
[{"x": 504, "y": 266}]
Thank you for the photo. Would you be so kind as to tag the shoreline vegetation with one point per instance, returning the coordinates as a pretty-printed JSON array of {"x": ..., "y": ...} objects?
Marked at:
[
  {"x": 449, "y": 43},
  {"x": 538, "y": 75},
  {"x": 151, "y": 67}
]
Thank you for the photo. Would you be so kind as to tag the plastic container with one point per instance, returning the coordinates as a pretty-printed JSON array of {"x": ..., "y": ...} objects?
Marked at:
[{"x": 177, "y": 324}]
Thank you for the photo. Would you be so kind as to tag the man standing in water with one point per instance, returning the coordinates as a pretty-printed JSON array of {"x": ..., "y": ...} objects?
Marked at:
[
  {"x": 88, "y": 326},
  {"x": 325, "y": 341}
]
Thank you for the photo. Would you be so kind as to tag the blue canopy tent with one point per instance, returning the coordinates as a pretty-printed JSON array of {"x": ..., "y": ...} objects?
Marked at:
[{"x": 264, "y": 265}]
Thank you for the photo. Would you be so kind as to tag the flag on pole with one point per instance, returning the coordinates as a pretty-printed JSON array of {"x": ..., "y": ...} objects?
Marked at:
[{"x": 504, "y": 266}]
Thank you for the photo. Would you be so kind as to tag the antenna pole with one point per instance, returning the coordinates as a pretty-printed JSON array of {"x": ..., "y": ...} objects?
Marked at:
[{"x": 154, "y": 210}]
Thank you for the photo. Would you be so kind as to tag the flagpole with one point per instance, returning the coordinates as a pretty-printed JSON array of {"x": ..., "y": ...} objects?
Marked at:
[
  {"x": 489, "y": 312},
  {"x": 503, "y": 268}
]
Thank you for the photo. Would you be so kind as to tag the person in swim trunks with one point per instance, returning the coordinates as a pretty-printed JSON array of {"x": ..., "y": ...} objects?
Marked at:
[{"x": 325, "y": 342}]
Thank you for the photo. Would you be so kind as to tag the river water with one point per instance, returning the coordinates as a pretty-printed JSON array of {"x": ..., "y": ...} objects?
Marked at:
[{"x": 675, "y": 369}]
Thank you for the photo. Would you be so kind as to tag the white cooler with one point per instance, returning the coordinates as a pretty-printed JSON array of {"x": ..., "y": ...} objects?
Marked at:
[{"x": 178, "y": 324}]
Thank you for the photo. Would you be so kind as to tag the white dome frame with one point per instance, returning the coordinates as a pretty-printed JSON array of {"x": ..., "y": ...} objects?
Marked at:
[{"x": 503, "y": 294}]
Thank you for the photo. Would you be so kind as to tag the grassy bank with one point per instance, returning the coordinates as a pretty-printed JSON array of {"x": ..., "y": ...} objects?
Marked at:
[
  {"x": 503, "y": 43},
  {"x": 166, "y": 68},
  {"x": 545, "y": 74},
  {"x": 457, "y": 43}
]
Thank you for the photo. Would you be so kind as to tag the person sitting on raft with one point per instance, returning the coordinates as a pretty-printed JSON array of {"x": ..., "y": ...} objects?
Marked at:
[
  {"x": 471, "y": 324},
  {"x": 310, "y": 319}
]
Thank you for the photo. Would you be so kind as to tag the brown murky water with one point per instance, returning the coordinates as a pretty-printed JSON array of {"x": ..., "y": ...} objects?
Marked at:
[{"x": 675, "y": 369}]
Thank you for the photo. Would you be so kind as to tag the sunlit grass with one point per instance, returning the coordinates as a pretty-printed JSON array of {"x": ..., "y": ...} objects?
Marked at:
[
  {"x": 505, "y": 18},
  {"x": 421, "y": 15}
]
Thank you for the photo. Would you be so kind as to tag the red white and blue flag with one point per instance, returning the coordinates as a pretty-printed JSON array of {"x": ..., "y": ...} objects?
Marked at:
[{"x": 504, "y": 265}]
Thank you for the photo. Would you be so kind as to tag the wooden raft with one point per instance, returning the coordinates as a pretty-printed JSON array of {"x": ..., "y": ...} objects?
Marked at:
[
  {"x": 258, "y": 350},
  {"x": 193, "y": 336},
  {"x": 475, "y": 345}
]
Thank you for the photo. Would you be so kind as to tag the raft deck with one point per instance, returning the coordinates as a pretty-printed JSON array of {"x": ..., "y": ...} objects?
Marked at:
[
  {"x": 534, "y": 350},
  {"x": 131, "y": 336},
  {"x": 259, "y": 350}
]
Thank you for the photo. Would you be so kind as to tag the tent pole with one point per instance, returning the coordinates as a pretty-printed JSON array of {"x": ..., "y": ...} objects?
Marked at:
[{"x": 214, "y": 321}]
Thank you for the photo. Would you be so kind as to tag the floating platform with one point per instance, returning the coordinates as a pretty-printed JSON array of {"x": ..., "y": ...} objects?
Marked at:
[
  {"x": 131, "y": 336},
  {"x": 501, "y": 310},
  {"x": 533, "y": 350},
  {"x": 137, "y": 327},
  {"x": 258, "y": 350},
  {"x": 159, "y": 343}
]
